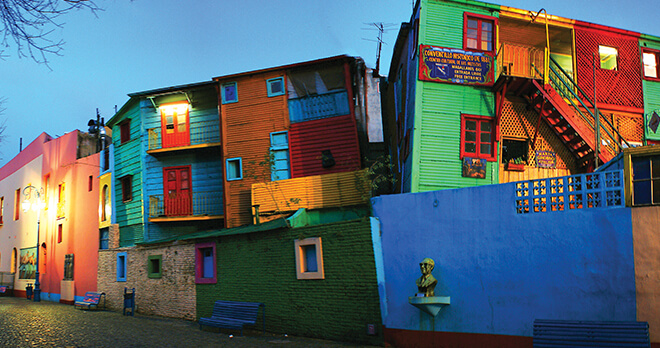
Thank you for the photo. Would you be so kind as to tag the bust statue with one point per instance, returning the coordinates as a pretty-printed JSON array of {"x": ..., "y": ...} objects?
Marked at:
[{"x": 426, "y": 283}]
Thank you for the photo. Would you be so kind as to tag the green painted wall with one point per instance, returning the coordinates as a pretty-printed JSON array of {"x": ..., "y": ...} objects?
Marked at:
[
  {"x": 260, "y": 267},
  {"x": 128, "y": 162},
  {"x": 651, "y": 90},
  {"x": 438, "y": 106}
]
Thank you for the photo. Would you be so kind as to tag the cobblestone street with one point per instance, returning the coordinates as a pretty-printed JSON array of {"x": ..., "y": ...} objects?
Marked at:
[{"x": 25, "y": 323}]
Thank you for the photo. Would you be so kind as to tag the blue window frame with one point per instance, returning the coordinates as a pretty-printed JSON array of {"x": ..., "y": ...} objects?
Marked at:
[
  {"x": 279, "y": 150},
  {"x": 122, "y": 262},
  {"x": 275, "y": 86},
  {"x": 234, "y": 169},
  {"x": 229, "y": 93}
]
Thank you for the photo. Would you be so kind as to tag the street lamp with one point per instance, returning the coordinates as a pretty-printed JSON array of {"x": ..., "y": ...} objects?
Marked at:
[{"x": 33, "y": 201}]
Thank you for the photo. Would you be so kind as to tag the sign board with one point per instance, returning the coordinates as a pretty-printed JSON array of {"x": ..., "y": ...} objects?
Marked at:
[
  {"x": 449, "y": 65},
  {"x": 474, "y": 168},
  {"x": 546, "y": 159}
]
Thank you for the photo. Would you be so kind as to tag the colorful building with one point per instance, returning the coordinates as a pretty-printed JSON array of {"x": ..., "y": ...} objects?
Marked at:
[
  {"x": 480, "y": 93},
  {"x": 64, "y": 171}
]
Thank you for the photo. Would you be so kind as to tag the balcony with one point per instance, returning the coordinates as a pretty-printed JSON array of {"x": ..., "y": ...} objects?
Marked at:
[
  {"x": 202, "y": 135},
  {"x": 319, "y": 106},
  {"x": 181, "y": 207}
]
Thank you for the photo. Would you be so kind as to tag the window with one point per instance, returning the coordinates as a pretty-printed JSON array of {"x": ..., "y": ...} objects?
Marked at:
[
  {"x": 479, "y": 32},
  {"x": 477, "y": 138},
  {"x": 125, "y": 131},
  {"x": 106, "y": 159},
  {"x": 309, "y": 258},
  {"x": 61, "y": 200},
  {"x": 154, "y": 266},
  {"x": 90, "y": 184},
  {"x": 14, "y": 260},
  {"x": 205, "y": 269},
  {"x": 59, "y": 233},
  {"x": 646, "y": 180},
  {"x": 234, "y": 169},
  {"x": 275, "y": 86},
  {"x": 104, "y": 236},
  {"x": 2, "y": 209},
  {"x": 121, "y": 266},
  {"x": 229, "y": 93},
  {"x": 651, "y": 61},
  {"x": 513, "y": 149},
  {"x": 105, "y": 203},
  {"x": 17, "y": 204},
  {"x": 127, "y": 188},
  {"x": 68, "y": 267},
  {"x": 608, "y": 57},
  {"x": 46, "y": 187},
  {"x": 279, "y": 155}
]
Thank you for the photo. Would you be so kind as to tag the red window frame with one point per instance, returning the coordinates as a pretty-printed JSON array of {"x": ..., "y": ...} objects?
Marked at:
[
  {"x": 478, "y": 135},
  {"x": 657, "y": 64},
  {"x": 125, "y": 131},
  {"x": 480, "y": 19}
]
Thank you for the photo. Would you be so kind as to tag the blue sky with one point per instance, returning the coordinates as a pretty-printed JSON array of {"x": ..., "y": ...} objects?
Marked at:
[{"x": 140, "y": 45}]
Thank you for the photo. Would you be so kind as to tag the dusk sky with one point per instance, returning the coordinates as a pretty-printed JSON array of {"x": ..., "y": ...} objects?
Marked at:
[{"x": 141, "y": 45}]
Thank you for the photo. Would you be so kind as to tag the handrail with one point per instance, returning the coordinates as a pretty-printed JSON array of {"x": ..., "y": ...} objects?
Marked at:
[{"x": 563, "y": 77}]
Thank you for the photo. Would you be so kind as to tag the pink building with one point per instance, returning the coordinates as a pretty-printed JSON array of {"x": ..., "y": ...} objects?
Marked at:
[{"x": 65, "y": 172}]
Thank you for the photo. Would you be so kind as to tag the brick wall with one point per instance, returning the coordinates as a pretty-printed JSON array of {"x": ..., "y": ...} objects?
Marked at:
[
  {"x": 260, "y": 267},
  {"x": 173, "y": 295}
]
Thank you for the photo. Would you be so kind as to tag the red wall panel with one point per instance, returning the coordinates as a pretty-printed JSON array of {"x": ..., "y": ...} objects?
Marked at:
[
  {"x": 308, "y": 140},
  {"x": 622, "y": 87}
]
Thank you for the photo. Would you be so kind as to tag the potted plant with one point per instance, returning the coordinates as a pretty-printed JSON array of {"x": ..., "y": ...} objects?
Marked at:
[{"x": 516, "y": 165}]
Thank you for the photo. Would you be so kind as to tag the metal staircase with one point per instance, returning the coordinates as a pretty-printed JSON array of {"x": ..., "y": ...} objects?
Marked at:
[{"x": 568, "y": 111}]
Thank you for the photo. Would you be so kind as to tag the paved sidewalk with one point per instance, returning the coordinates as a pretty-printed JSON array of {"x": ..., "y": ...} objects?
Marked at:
[{"x": 25, "y": 323}]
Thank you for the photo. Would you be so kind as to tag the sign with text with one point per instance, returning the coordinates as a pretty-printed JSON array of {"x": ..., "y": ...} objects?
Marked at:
[
  {"x": 449, "y": 65},
  {"x": 546, "y": 159}
]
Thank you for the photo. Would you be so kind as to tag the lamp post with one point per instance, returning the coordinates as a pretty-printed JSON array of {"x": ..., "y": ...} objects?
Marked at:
[{"x": 33, "y": 200}]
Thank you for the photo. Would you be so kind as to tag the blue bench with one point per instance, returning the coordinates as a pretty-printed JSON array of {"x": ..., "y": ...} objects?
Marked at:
[
  {"x": 567, "y": 333},
  {"x": 91, "y": 299},
  {"x": 234, "y": 315}
]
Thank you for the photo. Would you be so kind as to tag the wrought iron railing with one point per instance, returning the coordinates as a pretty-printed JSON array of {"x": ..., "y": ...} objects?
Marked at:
[
  {"x": 204, "y": 132},
  {"x": 319, "y": 106},
  {"x": 198, "y": 204},
  {"x": 593, "y": 190}
]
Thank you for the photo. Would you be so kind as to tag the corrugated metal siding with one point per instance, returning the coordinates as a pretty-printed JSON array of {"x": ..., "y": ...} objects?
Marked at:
[
  {"x": 441, "y": 23},
  {"x": 308, "y": 139},
  {"x": 618, "y": 87},
  {"x": 651, "y": 94},
  {"x": 312, "y": 192},
  {"x": 246, "y": 126}
]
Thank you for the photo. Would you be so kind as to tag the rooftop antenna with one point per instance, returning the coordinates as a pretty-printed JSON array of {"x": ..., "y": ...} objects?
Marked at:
[{"x": 382, "y": 28}]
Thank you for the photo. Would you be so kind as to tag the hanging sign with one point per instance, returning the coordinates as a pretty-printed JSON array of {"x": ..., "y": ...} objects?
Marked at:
[
  {"x": 546, "y": 159},
  {"x": 449, "y": 65}
]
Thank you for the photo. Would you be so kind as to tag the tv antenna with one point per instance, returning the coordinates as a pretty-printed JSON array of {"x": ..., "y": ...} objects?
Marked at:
[{"x": 381, "y": 28}]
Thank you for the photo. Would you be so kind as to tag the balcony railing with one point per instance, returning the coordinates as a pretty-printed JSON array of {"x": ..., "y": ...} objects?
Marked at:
[
  {"x": 199, "y": 204},
  {"x": 205, "y": 132},
  {"x": 520, "y": 61},
  {"x": 319, "y": 106}
]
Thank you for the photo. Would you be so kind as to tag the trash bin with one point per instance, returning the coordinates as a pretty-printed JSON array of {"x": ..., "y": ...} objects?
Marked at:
[
  {"x": 28, "y": 291},
  {"x": 129, "y": 302}
]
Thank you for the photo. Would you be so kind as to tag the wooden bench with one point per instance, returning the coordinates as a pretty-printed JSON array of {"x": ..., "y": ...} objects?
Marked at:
[
  {"x": 566, "y": 333},
  {"x": 91, "y": 299},
  {"x": 234, "y": 315}
]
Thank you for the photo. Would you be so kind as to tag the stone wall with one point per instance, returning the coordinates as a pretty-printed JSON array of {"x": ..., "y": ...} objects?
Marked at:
[{"x": 172, "y": 295}]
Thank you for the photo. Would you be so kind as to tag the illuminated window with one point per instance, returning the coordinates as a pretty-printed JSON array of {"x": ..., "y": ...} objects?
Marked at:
[
  {"x": 275, "y": 86},
  {"x": 309, "y": 258},
  {"x": 608, "y": 57},
  {"x": 205, "y": 269},
  {"x": 229, "y": 93},
  {"x": 477, "y": 137},
  {"x": 59, "y": 233},
  {"x": 17, "y": 204},
  {"x": 651, "y": 60},
  {"x": 479, "y": 32},
  {"x": 14, "y": 260},
  {"x": 105, "y": 203},
  {"x": 154, "y": 266},
  {"x": 234, "y": 169},
  {"x": 60, "y": 201},
  {"x": 2, "y": 209}
]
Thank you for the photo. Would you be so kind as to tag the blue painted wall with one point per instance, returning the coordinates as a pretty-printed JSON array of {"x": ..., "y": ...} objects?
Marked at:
[{"x": 501, "y": 269}]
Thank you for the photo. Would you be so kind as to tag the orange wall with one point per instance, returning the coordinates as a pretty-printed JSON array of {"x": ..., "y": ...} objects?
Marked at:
[
  {"x": 246, "y": 128},
  {"x": 646, "y": 244}
]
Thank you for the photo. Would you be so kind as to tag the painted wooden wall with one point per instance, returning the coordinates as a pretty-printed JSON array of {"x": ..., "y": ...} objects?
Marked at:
[
  {"x": 621, "y": 87},
  {"x": 436, "y": 162},
  {"x": 246, "y": 128},
  {"x": 651, "y": 91},
  {"x": 128, "y": 161}
]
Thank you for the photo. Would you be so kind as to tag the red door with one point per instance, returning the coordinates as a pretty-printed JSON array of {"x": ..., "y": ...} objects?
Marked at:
[
  {"x": 178, "y": 191},
  {"x": 175, "y": 125}
]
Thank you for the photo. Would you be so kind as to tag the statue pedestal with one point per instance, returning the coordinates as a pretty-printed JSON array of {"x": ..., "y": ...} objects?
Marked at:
[{"x": 430, "y": 305}]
